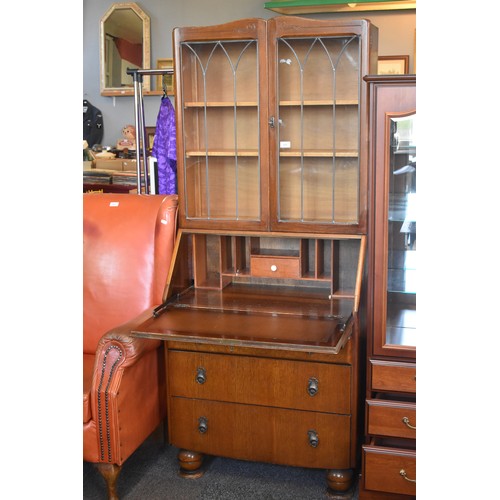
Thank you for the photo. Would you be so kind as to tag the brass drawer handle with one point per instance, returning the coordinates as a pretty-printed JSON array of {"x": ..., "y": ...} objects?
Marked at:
[
  {"x": 312, "y": 386},
  {"x": 403, "y": 473},
  {"x": 406, "y": 421}
]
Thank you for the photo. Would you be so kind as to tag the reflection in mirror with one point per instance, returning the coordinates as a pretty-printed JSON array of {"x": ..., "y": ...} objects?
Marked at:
[
  {"x": 124, "y": 43},
  {"x": 402, "y": 233}
]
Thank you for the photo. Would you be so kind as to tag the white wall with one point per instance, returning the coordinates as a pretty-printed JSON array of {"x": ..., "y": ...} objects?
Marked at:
[{"x": 396, "y": 37}]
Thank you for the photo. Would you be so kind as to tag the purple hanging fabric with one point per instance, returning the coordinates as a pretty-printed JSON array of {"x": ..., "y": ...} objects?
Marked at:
[{"x": 164, "y": 148}]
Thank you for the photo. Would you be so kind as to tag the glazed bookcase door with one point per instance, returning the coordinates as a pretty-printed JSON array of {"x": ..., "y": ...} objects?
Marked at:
[
  {"x": 220, "y": 79},
  {"x": 397, "y": 320},
  {"x": 272, "y": 124},
  {"x": 318, "y": 162},
  {"x": 395, "y": 230},
  {"x": 402, "y": 232}
]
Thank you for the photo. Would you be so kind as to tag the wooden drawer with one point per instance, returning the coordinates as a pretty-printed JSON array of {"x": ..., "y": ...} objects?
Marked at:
[
  {"x": 260, "y": 433},
  {"x": 390, "y": 470},
  {"x": 397, "y": 377},
  {"x": 264, "y": 381},
  {"x": 391, "y": 418},
  {"x": 274, "y": 266}
]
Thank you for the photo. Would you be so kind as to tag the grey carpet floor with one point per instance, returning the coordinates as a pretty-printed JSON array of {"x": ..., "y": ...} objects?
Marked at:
[{"x": 151, "y": 473}]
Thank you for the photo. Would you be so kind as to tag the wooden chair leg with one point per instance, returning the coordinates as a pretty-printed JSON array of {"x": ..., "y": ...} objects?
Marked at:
[{"x": 110, "y": 473}]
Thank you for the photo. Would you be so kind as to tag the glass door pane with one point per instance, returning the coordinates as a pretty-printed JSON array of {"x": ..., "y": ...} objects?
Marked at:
[
  {"x": 402, "y": 233},
  {"x": 318, "y": 129},
  {"x": 221, "y": 130}
]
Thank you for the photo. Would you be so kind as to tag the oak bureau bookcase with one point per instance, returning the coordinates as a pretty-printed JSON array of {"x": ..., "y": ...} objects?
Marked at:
[{"x": 260, "y": 319}]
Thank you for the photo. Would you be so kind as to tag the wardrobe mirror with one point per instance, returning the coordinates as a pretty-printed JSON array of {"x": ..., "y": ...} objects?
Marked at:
[{"x": 124, "y": 43}]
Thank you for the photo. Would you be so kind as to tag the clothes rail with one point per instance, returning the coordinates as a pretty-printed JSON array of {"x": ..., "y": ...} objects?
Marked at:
[{"x": 140, "y": 125}]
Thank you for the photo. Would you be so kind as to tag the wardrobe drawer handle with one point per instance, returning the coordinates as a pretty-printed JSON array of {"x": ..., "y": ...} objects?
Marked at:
[
  {"x": 403, "y": 473},
  {"x": 406, "y": 421}
]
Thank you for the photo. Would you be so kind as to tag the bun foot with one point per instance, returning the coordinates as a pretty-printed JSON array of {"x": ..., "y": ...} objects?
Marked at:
[
  {"x": 340, "y": 483},
  {"x": 190, "y": 463}
]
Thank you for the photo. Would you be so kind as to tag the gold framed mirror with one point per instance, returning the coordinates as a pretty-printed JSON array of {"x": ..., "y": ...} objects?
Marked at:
[{"x": 124, "y": 43}]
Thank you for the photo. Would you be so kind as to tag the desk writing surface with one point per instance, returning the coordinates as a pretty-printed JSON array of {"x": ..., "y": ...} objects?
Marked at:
[{"x": 229, "y": 318}]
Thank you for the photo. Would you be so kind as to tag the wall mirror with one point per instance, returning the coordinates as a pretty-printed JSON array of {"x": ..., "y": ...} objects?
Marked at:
[{"x": 124, "y": 43}]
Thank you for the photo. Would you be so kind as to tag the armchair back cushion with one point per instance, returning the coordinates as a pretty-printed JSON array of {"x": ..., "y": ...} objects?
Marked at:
[{"x": 128, "y": 243}]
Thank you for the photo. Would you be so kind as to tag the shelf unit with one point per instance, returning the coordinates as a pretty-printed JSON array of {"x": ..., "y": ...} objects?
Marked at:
[{"x": 389, "y": 452}]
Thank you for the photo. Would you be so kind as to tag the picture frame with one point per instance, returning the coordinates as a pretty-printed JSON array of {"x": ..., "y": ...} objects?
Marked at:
[
  {"x": 393, "y": 65},
  {"x": 415, "y": 51},
  {"x": 165, "y": 81},
  {"x": 150, "y": 137}
]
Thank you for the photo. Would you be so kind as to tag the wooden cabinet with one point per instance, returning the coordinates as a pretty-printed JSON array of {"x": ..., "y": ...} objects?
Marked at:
[
  {"x": 389, "y": 453},
  {"x": 260, "y": 319},
  {"x": 237, "y": 396},
  {"x": 271, "y": 128}
]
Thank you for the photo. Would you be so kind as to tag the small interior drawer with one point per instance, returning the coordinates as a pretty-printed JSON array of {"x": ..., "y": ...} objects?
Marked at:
[
  {"x": 391, "y": 418},
  {"x": 390, "y": 470},
  {"x": 275, "y": 266},
  {"x": 389, "y": 376}
]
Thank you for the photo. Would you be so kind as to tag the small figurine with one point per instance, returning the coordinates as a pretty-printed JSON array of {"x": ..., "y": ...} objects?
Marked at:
[{"x": 128, "y": 140}]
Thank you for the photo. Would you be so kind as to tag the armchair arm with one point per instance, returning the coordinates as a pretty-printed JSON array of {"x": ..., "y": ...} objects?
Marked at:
[
  {"x": 124, "y": 367},
  {"x": 132, "y": 348}
]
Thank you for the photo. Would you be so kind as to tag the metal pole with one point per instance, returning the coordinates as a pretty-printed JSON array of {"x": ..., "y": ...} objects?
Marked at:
[
  {"x": 140, "y": 123},
  {"x": 140, "y": 135},
  {"x": 137, "y": 92}
]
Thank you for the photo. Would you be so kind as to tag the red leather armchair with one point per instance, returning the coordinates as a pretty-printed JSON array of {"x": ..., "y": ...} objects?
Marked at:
[{"x": 128, "y": 244}]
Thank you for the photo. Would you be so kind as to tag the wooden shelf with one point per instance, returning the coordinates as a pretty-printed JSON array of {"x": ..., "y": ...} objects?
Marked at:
[
  {"x": 294, "y": 102},
  {"x": 342, "y": 153},
  {"x": 219, "y": 104},
  {"x": 322, "y": 102},
  {"x": 226, "y": 153},
  {"x": 346, "y": 153}
]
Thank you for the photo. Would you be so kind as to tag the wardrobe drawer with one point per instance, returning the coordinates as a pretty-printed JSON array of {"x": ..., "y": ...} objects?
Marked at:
[
  {"x": 275, "y": 267},
  {"x": 397, "y": 377},
  {"x": 264, "y": 381},
  {"x": 248, "y": 432},
  {"x": 390, "y": 470},
  {"x": 391, "y": 418}
]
